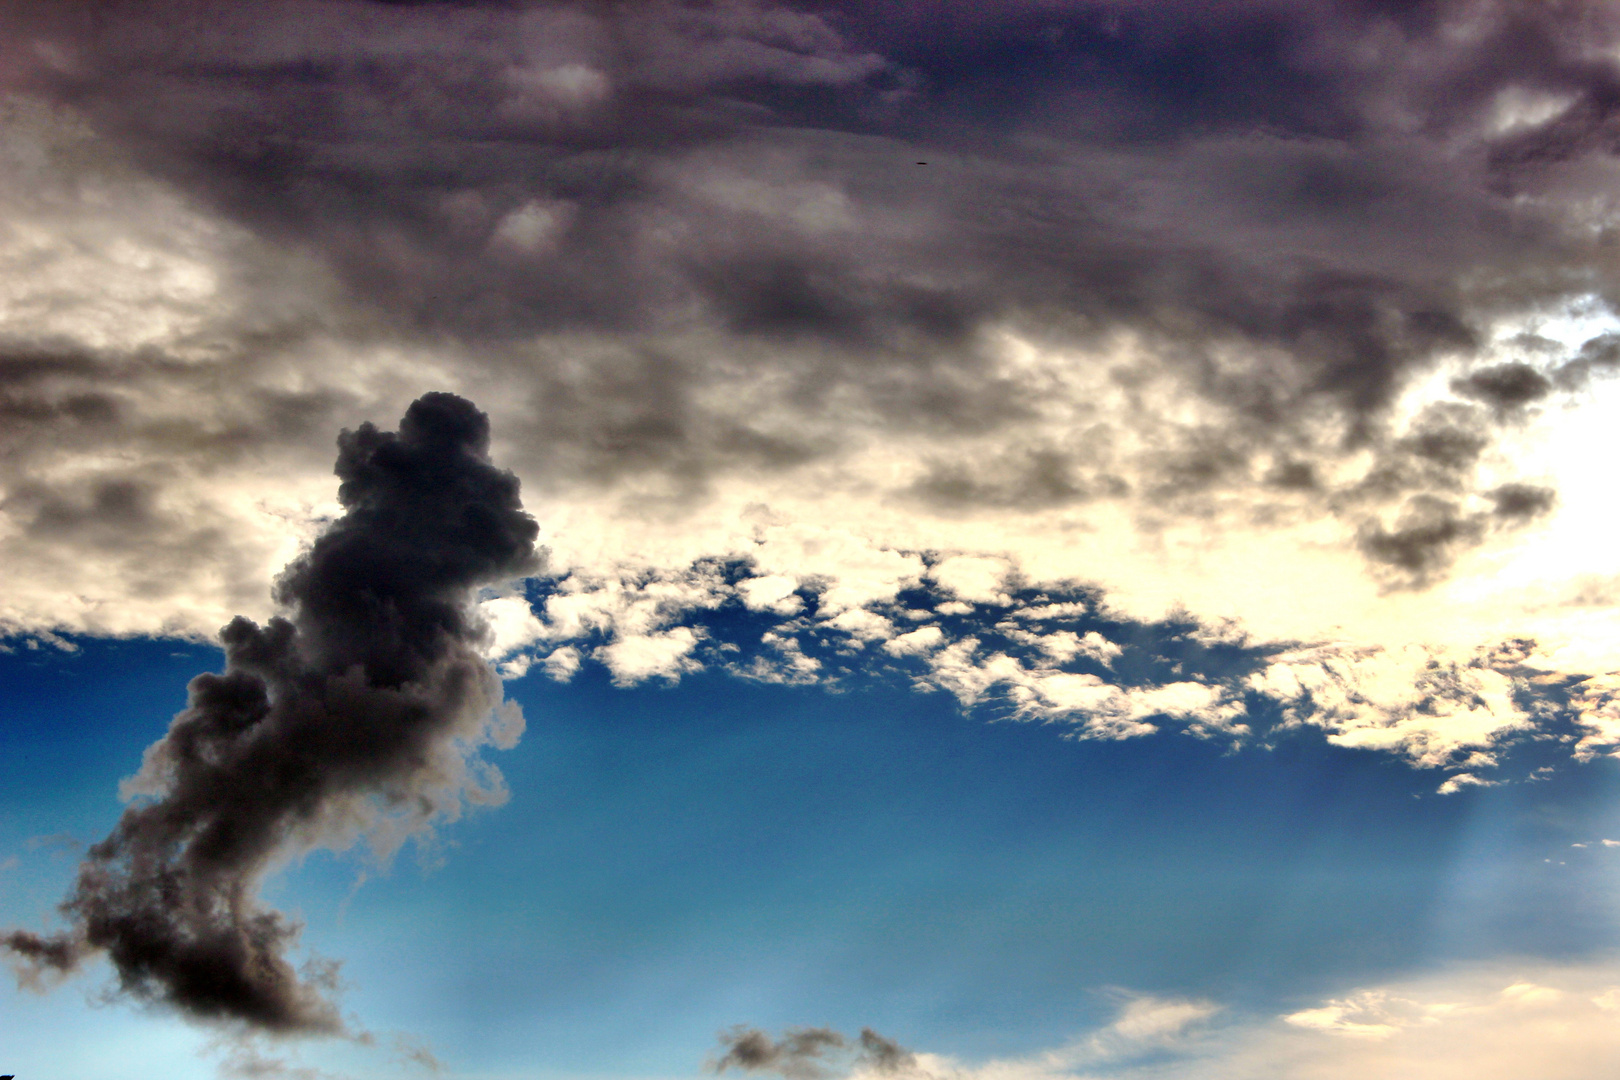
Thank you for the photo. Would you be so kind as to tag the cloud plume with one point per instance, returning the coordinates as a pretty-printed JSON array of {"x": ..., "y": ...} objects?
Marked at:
[{"x": 357, "y": 713}]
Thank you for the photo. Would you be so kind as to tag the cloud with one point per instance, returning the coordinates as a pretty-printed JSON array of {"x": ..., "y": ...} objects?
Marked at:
[
  {"x": 1201, "y": 383},
  {"x": 1207, "y": 313},
  {"x": 1457, "y": 782},
  {"x": 413, "y": 1051},
  {"x": 1597, "y": 705},
  {"x": 1107, "y": 290},
  {"x": 1434, "y": 712},
  {"x": 1149, "y": 1019},
  {"x": 1096, "y": 706},
  {"x": 512, "y": 625},
  {"x": 358, "y": 713},
  {"x": 799, "y": 1055},
  {"x": 812, "y": 1053},
  {"x": 1098, "y": 673},
  {"x": 642, "y": 656},
  {"x": 1505, "y": 386},
  {"x": 244, "y": 1061},
  {"x": 915, "y": 642},
  {"x": 563, "y": 663},
  {"x": 772, "y": 592},
  {"x": 1146, "y": 1025},
  {"x": 790, "y": 666},
  {"x": 1484, "y": 1023},
  {"x": 974, "y": 579}
]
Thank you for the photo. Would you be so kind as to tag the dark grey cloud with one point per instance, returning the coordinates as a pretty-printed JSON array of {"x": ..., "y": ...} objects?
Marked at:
[
  {"x": 347, "y": 713},
  {"x": 1448, "y": 438},
  {"x": 1426, "y": 536},
  {"x": 688, "y": 240},
  {"x": 884, "y": 1054},
  {"x": 1506, "y": 386},
  {"x": 799, "y": 1053},
  {"x": 343, "y": 124},
  {"x": 810, "y": 1053},
  {"x": 1600, "y": 354},
  {"x": 1522, "y": 500},
  {"x": 1038, "y": 477},
  {"x": 1430, "y": 530}
]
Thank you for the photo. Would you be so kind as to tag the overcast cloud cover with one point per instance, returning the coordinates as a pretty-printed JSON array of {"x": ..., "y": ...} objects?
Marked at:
[{"x": 1241, "y": 371}]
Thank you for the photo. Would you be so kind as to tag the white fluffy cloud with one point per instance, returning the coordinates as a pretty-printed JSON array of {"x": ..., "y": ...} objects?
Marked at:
[{"x": 1429, "y": 707}]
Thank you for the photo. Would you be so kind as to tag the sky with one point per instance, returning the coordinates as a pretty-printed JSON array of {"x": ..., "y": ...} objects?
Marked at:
[{"x": 884, "y": 540}]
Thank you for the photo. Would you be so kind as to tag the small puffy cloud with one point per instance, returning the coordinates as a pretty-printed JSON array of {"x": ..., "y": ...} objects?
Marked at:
[
  {"x": 532, "y": 228},
  {"x": 512, "y": 625},
  {"x": 665, "y": 654},
  {"x": 1596, "y": 702},
  {"x": 1368, "y": 1015},
  {"x": 1097, "y": 707},
  {"x": 1456, "y": 783},
  {"x": 812, "y": 1054},
  {"x": 1430, "y": 709},
  {"x": 644, "y": 618},
  {"x": 1530, "y": 994},
  {"x": 918, "y": 642},
  {"x": 788, "y": 666},
  {"x": 562, "y": 663},
  {"x": 862, "y": 625},
  {"x": 1039, "y": 612},
  {"x": 975, "y": 579},
  {"x": 856, "y": 571},
  {"x": 631, "y": 603},
  {"x": 1147, "y": 1018},
  {"x": 515, "y": 668},
  {"x": 1065, "y": 645},
  {"x": 773, "y": 592}
]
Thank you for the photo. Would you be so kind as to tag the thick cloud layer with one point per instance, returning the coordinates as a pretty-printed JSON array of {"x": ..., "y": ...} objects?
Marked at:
[
  {"x": 359, "y": 713},
  {"x": 1279, "y": 214},
  {"x": 1250, "y": 311}
]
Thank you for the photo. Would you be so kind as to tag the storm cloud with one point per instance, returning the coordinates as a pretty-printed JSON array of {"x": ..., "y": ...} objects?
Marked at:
[
  {"x": 1244, "y": 311},
  {"x": 358, "y": 714},
  {"x": 635, "y": 216}
]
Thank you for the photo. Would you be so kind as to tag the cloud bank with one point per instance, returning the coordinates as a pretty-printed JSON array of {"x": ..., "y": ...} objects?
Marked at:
[
  {"x": 1277, "y": 317},
  {"x": 1486, "y": 1023}
]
